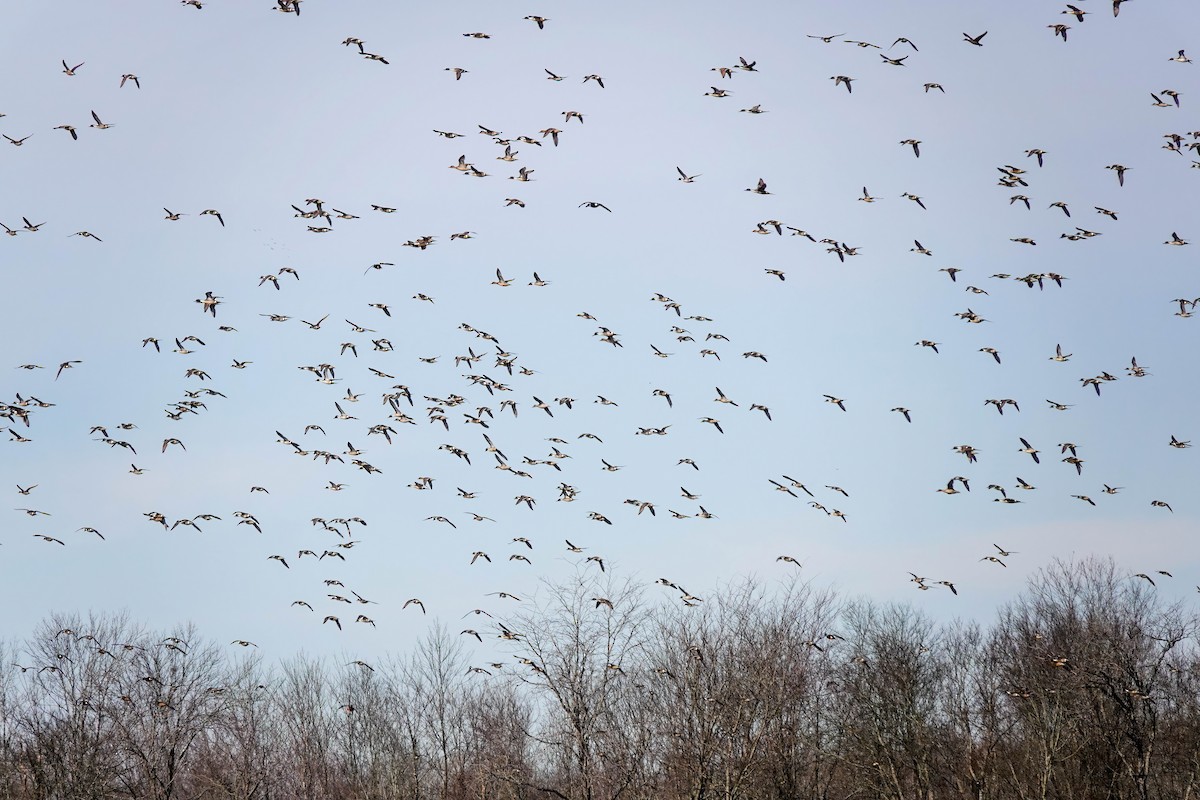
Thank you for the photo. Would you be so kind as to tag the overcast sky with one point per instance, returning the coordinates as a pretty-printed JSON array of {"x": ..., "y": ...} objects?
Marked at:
[{"x": 249, "y": 112}]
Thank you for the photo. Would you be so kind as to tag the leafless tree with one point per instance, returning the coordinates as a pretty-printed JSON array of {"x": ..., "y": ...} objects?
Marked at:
[{"x": 577, "y": 657}]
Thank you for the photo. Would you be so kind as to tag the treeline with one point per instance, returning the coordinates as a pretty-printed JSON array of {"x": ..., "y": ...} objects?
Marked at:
[{"x": 1085, "y": 686}]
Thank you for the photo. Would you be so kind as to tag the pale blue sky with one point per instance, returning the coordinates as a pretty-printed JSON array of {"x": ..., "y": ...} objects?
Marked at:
[{"x": 249, "y": 111}]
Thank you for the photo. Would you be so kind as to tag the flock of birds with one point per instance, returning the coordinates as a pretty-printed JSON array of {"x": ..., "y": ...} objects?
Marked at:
[{"x": 482, "y": 416}]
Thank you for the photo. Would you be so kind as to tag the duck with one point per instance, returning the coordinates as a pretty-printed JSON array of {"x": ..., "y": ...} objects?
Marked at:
[
  {"x": 760, "y": 188},
  {"x": 839, "y": 80},
  {"x": 1120, "y": 169}
]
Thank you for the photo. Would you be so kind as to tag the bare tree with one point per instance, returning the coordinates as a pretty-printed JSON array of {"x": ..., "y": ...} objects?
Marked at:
[
  {"x": 72, "y": 667},
  {"x": 887, "y": 700},
  {"x": 172, "y": 692},
  {"x": 579, "y": 655},
  {"x": 1087, "y": 649}
]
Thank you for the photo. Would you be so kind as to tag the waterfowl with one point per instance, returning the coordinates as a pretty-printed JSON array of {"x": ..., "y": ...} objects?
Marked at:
[
  {"x": 1075, "y": 11},
  {"x": 760, "y": 188},
  {"x": 98, "y": 125},
  {"x": 975, "y": 40},
  {"x": 70, "y": 71},
  {"x": 64, "y": 366},
  {"x": 949, "y": 487},
  {"x": 838, "y": 80}
]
